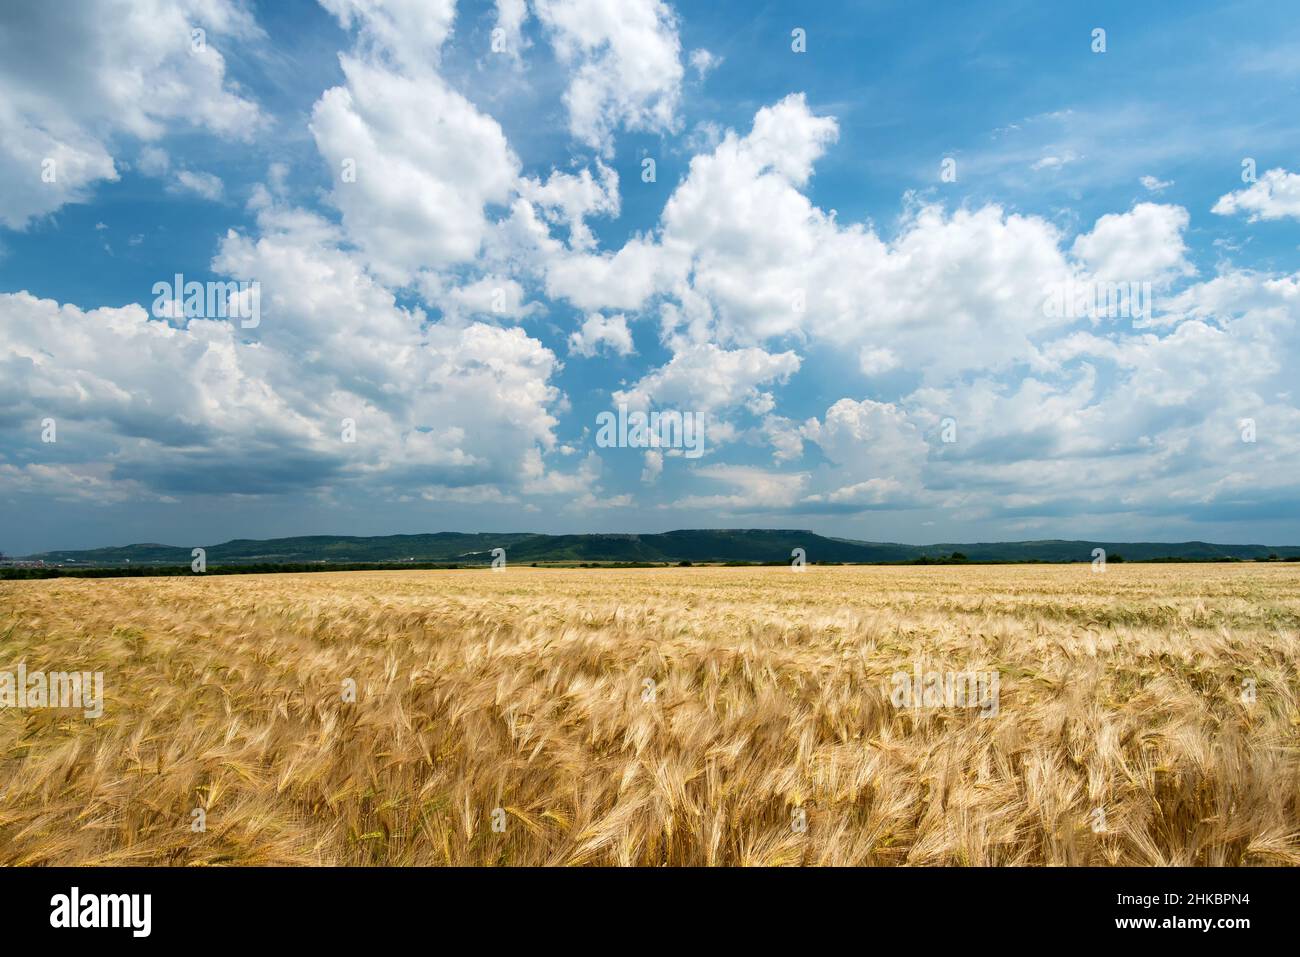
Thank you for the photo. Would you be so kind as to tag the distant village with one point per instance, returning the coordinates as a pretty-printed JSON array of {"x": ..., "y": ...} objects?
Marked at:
[{"x": 7, "y": 562}]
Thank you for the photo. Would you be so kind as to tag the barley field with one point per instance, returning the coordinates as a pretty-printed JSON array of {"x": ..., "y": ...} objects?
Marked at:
[{"x": 1149, "y": 715}]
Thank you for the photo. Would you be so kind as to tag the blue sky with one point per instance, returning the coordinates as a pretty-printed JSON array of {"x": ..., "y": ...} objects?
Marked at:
[{"x": 865, "y": 339}]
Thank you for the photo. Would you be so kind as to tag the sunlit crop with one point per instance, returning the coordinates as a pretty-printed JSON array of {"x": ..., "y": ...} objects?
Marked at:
[{"x": 703, "y": 716}]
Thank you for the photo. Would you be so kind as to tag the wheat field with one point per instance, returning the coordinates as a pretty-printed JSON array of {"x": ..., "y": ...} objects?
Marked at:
[{"x": 683, "y": 716}]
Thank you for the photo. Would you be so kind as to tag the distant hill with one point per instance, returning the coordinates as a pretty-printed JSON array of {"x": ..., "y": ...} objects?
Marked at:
[
  {"x": 1054, "y": 550},
  {"x": 694, "y": 545},
  {"x": 342, "y": 549}
]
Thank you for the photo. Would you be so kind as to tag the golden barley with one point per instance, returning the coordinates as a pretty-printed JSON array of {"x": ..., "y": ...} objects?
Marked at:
[{"x": 716, "y": 716}]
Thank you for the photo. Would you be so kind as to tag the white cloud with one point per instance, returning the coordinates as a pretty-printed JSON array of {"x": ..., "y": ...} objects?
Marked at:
[
  {"x": 654, "y": 466},
  {"x": 204, "y": 406},
  {"x": 785, "y": 438},
  {"x": 418, "y": 196},
  {"x": 750, "y": 280},
  {"x": 489, "y": 296},
  {"x": 571, "y": 198},
  {"x": 510, "y": 21},
  {"x": 153, "y": 161},
  {"x": 706, "y": 379},
  {"x": 703, "y": 62},
  {"x": 1153, "y": 185},
  {"x": 876, "y": 451},
  {"x": 1162, "y": 434},
  {"x": 1274, "y": 196},
  {"x": 756, "y": 489},
  {"x": 744, "y": 258},
  {"x": 959, "y": 297},
  {"x": 1053, "y": 162},
  {"x": 407, "y": 34},
  {"x": 1145, "y": 244},
  {"x": 876, "y": 360},
  {"x": 619, "y": 280},
  {"x": 625, "y": 63},
  {"x": 407, "y": 379},
  {"x": 599, "y": 333},
  {"x": 127, "y": 70},
  {"x": 206, "y": 185}
]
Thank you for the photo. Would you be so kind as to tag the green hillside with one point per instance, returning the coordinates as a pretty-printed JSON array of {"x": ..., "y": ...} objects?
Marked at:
[{"x": 693, "y": 545}]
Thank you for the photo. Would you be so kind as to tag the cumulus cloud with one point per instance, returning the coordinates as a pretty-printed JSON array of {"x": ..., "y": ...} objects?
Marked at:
[
  {"x": 654, "y": 466},
  {"x": 1162, "y": 434},
  {"x": 620, "y": 280},
  {"x": 599, "y": 333},
  {"x": 419, "y": 312},
  {"x": 755, "y": 489},
  {"x": 743, "y": 257},
  {"x": 570, "y": 198},
  {"x": 405, "y": 34},
  {"x": 199, "y": 407},
  {"x": 75, "y": 85},
  {"x": 876, "y": 454},
  {"x": 490, "y": 296},
  {"x": 706, "y": 379},
  {"x": 1275, "y": 195},
  {"x": 1145, "y": 244},
  {"x": 625, "y": 65},
  {"x": 412, "y": 194},
  {"x": 785, "y": 437}
]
